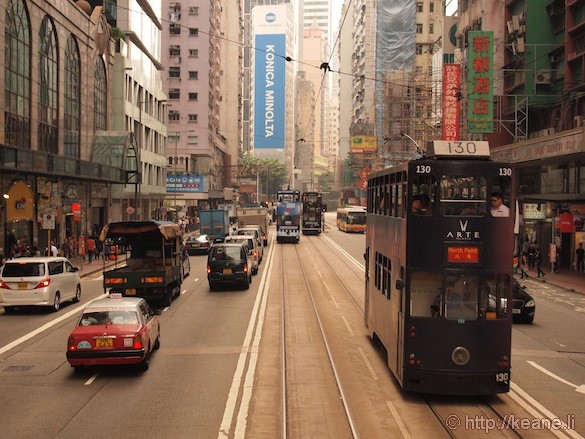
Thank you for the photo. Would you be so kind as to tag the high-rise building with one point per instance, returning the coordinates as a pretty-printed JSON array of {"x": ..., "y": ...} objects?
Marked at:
[{"x": 198, "y": 152}]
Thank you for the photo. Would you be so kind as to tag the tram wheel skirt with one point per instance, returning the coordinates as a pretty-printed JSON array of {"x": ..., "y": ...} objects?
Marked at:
[{"x": 454, "y": 383}]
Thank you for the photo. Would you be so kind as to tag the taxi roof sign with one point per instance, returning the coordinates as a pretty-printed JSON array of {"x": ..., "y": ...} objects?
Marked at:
[
  {"x": 459, "y": 148},
  {"x": 115, "y": 295}
]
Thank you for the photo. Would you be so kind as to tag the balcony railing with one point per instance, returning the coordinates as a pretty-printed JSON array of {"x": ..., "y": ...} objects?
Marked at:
[{"x": 40, "y": 162}]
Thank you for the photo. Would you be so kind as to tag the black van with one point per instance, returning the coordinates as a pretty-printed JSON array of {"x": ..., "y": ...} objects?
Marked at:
[{"x": 229, "y": 263}]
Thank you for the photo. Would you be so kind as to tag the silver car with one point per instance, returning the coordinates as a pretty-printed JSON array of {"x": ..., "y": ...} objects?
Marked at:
[{"x": 38, "y": 281}]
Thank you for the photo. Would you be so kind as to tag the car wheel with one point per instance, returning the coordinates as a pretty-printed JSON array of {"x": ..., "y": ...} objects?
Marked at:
[
  {"x": 212, "y": 287},
  {"x": 8, "y": 309},
  {"x": 157, "y": 343},
  {"x": 78, "y": 369},
  {"x": 145, "y": 363},
  {"x": 77, "y": 297},
  {"x": 56, "y": 303},
  {"x": 247, "y": 283},
  {"x": 168, "y": 299}
]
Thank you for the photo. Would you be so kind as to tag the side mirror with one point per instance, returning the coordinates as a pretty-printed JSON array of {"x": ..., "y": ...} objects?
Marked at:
[{"x": 399, "y": 284}]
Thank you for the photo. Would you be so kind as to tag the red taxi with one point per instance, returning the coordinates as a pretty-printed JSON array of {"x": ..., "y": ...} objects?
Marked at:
[{"x": 114, "y": 330}]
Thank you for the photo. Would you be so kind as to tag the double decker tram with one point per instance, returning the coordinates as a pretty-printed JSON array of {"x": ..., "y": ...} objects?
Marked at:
[
  {"x": 288, "y": 215},
  {"x": 439, "y": 246},
  {"x": 312, "y": 216}
]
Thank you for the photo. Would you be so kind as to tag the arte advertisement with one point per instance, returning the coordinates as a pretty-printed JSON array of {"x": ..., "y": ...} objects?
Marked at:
[{"x": 269, "y": 91}]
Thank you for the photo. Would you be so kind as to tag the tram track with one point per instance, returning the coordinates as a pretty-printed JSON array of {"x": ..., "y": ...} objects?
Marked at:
[
  {"x": 351, "y": 267},
  {"x": 466, "y": 417},
  {"x": 314, "y": 404}
]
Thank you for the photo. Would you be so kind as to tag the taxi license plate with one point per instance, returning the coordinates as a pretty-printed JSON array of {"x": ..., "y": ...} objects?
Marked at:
[
  {"x": 516, "y": 311},
  {"x": 131, "y": 291},
  {"x": 227, "y": 271},
  {"x": 104, "y": 342},
  {"x": 22, "y": 286}
]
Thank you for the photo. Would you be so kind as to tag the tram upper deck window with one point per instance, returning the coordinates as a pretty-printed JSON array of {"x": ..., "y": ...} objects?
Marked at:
[
  {"x": 463, "y": 195},
  {"x": 423, "y": 195}
]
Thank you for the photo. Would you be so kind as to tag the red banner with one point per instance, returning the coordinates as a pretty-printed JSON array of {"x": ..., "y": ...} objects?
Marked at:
[
  {"x": 567, "y": 225},
  {"x": 451, "y": 97}
]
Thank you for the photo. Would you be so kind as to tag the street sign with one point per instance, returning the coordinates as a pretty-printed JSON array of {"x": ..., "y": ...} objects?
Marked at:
[{"x": 48, "y": 221}]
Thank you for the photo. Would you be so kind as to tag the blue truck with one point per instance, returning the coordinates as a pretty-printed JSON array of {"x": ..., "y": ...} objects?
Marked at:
[{"x": 214, "y": 223}]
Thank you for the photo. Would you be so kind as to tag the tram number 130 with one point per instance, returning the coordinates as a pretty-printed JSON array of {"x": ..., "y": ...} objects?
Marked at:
[{"x": 502, "y": 377}]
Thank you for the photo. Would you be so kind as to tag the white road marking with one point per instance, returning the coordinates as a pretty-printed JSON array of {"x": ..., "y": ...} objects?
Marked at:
[
  {"x": 560, "y": 344},
  {"x": 334, "y": 302},
  {"x": 398, "y": 420},
  {"x": 183, "y": 292},
  {"x": 46, "y": 326},
  {"x": 347, "y": 325},
  {"x": 346, "y": 254},
  {"x": 538, "y": 411},
  {"x": 580, "y": 389},
  {"x": 92, "y": 379},
  {"x": 368, "y": 364},
  {"x": 256, "y": 319},
  {"x": 166, "y": 308}
]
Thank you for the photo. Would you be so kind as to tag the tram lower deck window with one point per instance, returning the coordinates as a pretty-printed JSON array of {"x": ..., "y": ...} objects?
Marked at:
[{"x": 459, "y": 296}]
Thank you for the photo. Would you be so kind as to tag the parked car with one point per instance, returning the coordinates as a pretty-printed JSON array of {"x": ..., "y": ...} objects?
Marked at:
[
  {"x": 114, "y": 330},
  {"x": 524, "y": 305},
  {"x": 229, "y": 263},
  {"x": 253, "y": 247},
  {"x": 198, "y": 244},
  {"x": 38, "y": 281}
]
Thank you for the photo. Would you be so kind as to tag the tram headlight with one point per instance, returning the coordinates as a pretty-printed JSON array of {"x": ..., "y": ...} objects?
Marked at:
[{"x": 460, "y": 356}]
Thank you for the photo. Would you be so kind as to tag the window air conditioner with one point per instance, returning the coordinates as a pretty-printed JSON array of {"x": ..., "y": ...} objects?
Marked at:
[{"x": 543, "y": 77}]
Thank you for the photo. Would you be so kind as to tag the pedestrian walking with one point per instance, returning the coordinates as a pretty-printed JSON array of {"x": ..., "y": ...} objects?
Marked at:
[
  {"x": 538, "y": 262},
  {"x": 580, "y": 253},
  {"x": 524, "y": 266}
]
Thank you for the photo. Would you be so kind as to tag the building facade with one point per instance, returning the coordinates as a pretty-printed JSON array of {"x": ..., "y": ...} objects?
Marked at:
[
  {"x": 56, "y": 166},
  {"x": 538, "y": 119}
]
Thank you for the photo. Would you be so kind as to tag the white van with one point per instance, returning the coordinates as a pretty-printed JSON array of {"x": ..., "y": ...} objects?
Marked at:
[
  {"x": 252, "y": 243},
  {"x": 257, "y": 233}
]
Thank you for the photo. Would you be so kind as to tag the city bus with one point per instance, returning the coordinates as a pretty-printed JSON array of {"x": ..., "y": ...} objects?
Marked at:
[
  {"x": 288, "y": 215},
  {"x": 312, "y": 216},
  {"x": 438, "y": 275},
  {"x": 351, "y": 219}
]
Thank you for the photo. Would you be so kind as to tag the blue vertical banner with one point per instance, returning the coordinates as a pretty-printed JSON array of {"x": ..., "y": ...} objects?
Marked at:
[{"x": 269, "y": 91}]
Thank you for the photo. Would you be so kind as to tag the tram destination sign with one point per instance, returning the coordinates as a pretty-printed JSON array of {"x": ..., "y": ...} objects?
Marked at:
[
  {"x": 462, "y": 254},
  {"x": 459, "y": 148}
]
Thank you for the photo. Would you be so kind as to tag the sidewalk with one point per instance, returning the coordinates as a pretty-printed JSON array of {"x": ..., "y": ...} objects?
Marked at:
[{"x": 568, "y": 279}]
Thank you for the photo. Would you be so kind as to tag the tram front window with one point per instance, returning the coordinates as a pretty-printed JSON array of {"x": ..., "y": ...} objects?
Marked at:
[
  {"x": 463, "y": 195},
  {"x": 461, "y": 293}
]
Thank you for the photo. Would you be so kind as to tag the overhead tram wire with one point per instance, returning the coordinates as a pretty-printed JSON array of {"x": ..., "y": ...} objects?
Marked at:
[{"x": 289, "y": 59}]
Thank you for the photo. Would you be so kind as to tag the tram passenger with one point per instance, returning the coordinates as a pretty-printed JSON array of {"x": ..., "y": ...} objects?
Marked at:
[
  {"x": 459, "y": 301},
  {"x": 499, "y": 209},
  {"x": 416, "y": 206}
]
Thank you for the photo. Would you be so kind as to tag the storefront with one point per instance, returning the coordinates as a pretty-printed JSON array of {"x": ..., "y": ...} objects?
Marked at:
[{"x": 551, "y": 191}]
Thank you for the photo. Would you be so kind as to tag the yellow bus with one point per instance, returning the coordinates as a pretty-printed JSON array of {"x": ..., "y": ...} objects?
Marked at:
[{"x": 351, "y": 219}]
